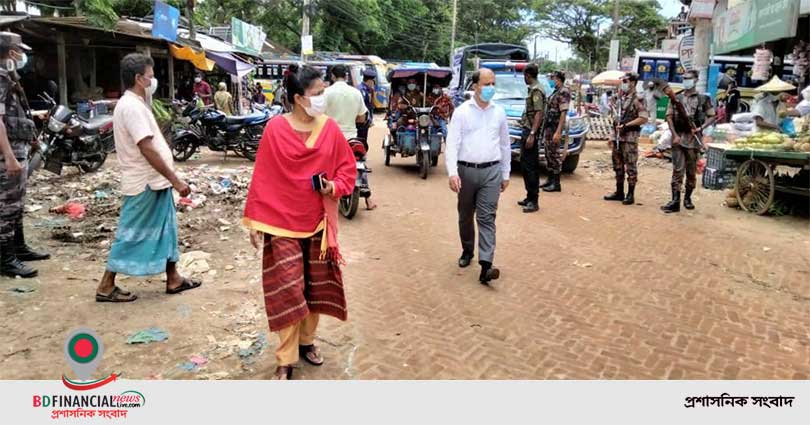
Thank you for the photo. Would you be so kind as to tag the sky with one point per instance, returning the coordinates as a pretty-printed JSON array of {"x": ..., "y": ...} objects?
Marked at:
[{"x": 552, "y": 49}]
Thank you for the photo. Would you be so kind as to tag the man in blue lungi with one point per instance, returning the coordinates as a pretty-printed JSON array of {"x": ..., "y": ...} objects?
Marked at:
[{"x": 146, "y": 239}]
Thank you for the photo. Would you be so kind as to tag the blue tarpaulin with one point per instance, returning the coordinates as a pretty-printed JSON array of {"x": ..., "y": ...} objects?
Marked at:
[{"x": 230, "y": 63}]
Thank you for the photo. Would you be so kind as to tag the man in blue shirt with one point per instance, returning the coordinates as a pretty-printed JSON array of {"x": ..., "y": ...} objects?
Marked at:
[{"x": 367, "y": 90}]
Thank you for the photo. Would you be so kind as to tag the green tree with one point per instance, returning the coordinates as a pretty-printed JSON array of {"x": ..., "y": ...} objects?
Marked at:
[{"x": 587, "y": 25}]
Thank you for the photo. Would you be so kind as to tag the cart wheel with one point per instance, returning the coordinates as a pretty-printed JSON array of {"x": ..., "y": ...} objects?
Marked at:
[
  {"x": 387, "y": 156},
  {"x": 424, "y": 164},
  {"x": 755, "y": 186}
]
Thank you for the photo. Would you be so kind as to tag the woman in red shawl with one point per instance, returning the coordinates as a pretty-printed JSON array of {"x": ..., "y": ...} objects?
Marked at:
[{"x": 296, "y": 224}]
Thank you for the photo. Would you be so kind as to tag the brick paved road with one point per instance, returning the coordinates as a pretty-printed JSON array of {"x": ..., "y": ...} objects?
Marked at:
[{"x": 589, "y": 290}]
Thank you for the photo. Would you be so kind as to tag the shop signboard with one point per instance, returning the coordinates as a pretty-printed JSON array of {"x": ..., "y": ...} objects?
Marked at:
[
  {"x": 754, "y": 22},
  {"x": 246, "y": 37},
  {"x": 165, "y": 21},
  {"x": 701, "y": 9}
]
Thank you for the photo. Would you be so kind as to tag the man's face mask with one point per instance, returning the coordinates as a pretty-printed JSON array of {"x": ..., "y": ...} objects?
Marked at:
[{"x": 411, "y": 86}]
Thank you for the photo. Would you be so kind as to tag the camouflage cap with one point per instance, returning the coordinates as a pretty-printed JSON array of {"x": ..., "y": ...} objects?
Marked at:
[{"x": 12, "y": 40}]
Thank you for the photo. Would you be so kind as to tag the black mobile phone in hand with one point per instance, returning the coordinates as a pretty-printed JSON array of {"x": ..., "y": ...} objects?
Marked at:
[{"x": 318, "y": 182}]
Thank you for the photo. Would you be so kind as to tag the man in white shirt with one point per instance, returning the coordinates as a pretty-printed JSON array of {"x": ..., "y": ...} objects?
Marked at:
[
  {"x": 479, "y": 162},
  {"x": 146, "y": 239},
  {"x": 344, "y": 103}
]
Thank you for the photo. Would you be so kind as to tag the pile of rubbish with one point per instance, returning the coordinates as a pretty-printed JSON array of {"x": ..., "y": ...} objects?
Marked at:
[{"x": 84, "y": 208}]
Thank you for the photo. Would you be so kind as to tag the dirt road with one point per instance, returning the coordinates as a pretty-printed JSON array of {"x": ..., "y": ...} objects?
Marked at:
[{"x": 589, "y": 290}]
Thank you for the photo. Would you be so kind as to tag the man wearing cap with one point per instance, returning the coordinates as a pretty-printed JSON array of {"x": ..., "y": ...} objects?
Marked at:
[
  {"x": 554, "y": 124},
  {"x": 685, "y": 146},
  {"x": 17, "y": 132},
  {"x": 631, "y": 115}
]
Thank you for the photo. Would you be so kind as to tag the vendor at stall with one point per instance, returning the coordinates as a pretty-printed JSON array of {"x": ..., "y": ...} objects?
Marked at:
[
  {"x": 766, "y": 102},
  {"x": 803, "y": 107}
]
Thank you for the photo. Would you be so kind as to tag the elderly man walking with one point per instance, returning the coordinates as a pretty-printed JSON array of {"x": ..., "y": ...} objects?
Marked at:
[
  {"x": 478, "y": 162},
  {"x": 146, "y": 239}
]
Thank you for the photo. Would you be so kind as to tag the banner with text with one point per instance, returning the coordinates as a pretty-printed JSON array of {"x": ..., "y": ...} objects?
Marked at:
[
  {"x": 754, "y": 22},
  {"x": 246, "y": 37}
]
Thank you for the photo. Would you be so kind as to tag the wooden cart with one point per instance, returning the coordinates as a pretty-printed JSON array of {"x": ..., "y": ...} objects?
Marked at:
[{"x": 756, "y": 183}]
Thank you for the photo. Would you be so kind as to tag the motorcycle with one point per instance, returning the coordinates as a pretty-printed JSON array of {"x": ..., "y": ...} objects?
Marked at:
[
  {"x": 68, "y": 139},
  {"x": 206, "y": 126},
  {"x": 348, "y": 204}
]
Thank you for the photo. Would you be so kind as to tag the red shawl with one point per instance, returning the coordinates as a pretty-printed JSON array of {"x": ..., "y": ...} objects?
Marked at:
[{"x": 281, "y": 201}]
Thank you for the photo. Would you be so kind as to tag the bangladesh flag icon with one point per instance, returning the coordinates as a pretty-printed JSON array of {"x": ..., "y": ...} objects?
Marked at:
[{"x": 83, "y": 350}]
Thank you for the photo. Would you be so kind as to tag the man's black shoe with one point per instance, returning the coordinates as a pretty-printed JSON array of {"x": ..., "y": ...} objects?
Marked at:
[
  {"x": 465, "y": 260},
  {"x": 489, "y": 274},
  {"x": 687, "y": 199},
  {"x": 531, "y": 207},
  {"x": 631, "y": 198},
  {"x": 25, "y": 253},
  {"x": 12, "y": 267},
  {"x": 523, "y": 202},
  {"x": 674, "y": 205}
]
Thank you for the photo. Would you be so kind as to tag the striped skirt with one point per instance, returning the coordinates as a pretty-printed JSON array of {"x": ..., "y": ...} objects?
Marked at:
[
  {"x": 146, "y": 238},
  {"x": 296, "y": 282}
]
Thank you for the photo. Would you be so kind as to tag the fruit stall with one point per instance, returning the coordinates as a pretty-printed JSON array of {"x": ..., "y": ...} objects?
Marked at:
[{"x": 760, "y": 157}]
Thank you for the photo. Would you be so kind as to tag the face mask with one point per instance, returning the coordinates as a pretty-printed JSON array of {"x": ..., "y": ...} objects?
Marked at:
[
  {"x": 437, "y": 91},
  {"x": 22, "y": 61},
  {"x": 411, "y": 87},
  {"x": 317, "y": 106},
  {"x": 487, "y": 93},
  {"x": 552, "y": 83},
  {"x": 689, "y": 84},
  {"x": 152, "y": 87},
  {"x": 625, "y": 87},
  {"x": 197, "y": 80}
]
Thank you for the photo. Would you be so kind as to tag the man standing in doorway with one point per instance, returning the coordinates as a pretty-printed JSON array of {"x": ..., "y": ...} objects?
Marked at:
[
  {"x": 632, "y": 114},
  {"x": 529, "y": 152},
  {"x": 146, "y": 239},
  {"x": 478, "y": 162},
  {"x": 685, "y": 146},
  {"x": 556, "y": 110},
  {"x": 202, "y": 90}
]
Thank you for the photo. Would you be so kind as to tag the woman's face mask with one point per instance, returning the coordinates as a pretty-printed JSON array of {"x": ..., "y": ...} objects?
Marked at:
[
  {"x": 317, "y": 105},
  {"x": 411, "y": 87}
]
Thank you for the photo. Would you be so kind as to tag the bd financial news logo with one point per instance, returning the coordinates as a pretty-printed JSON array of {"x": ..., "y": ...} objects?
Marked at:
[{"x": 83, "y": 350}]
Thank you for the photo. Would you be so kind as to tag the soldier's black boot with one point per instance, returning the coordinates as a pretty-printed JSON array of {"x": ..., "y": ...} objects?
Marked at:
[
  {"x": 630, "y": 199},
  {"x": 674, "y": 205},
  {"x": 687, "y": 199},
  {"x": 549, "y": 181},
  {"x": 22, "y": 251},
  {"x": 555, "y": 184},
  {"x": 618, "y": 195},
  {"x": 11, "y": 266}
]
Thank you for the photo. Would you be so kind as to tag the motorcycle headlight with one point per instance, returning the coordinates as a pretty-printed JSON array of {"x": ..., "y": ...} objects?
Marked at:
[
  {"x": 55, "y": 125},
  {"x": 424, "y": 121}
]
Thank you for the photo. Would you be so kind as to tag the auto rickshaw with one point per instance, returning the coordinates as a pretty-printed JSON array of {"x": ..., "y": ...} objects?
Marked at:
[{"x": 416, "y": 133}]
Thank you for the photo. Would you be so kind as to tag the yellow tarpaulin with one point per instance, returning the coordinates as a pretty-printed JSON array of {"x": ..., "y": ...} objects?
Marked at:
[{"x": 197, "y": 58}]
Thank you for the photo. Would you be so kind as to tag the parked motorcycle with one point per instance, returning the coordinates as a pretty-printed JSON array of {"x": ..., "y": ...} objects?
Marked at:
[
  {"x": 348, "y": 204},
  {"x": 68, "y": 139},
  {"x": 205, "y": 126}
]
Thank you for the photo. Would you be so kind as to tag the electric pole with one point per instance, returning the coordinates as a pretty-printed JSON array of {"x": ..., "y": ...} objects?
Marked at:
[
  {"x": 305, "y": 27},
  {"x": 613, "y": 59},
  {"x": 453, "y": 32}
]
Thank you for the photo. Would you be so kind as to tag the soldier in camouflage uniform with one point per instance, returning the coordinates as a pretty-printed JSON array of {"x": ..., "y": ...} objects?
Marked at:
[
  {"x": 529, "y": 153},
  {"x": 554, "y": 124},
  {"x": 17, "y": 132},
  {"x": 631, "y": 115},
  {"x": 685, "y": 146}
]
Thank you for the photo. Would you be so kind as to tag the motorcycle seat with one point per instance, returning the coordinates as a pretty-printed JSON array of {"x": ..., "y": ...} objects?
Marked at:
[
  {"x": 96, "y": 124},
  {"x": 245, "y": 119}
]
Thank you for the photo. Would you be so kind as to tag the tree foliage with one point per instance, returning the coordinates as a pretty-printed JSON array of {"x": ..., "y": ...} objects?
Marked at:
[{"x": 587, "y": 25}]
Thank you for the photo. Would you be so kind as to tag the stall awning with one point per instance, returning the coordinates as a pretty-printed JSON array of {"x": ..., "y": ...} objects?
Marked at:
[
  {"x": 230, "y": 63},
  {"x": 197, "y": 58}
]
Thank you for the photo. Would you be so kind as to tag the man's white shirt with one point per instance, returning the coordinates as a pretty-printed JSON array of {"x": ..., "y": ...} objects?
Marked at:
[{"x": 477, "y": 135}]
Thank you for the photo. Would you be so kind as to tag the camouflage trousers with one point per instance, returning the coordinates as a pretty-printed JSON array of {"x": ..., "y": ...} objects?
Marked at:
[
  {"x": 552, "y": 152},
  {"x": 625, "y": 161},
  {"x": 684, "y": 161},
  {"x": 12, "y": 192}
]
